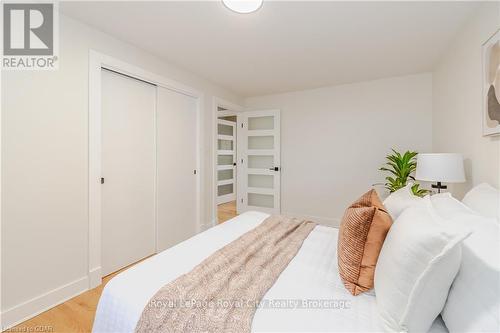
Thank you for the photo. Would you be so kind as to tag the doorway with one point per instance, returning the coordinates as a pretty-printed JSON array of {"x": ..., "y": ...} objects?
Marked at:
[
  {"x": 226, "y": 174},
  {"x": 247, "y": 168}
]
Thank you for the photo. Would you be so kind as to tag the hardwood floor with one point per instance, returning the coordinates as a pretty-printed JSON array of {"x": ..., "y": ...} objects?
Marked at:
[
  {"x": 77, "y": 314},
  {"x": 226, "y": 211},
  {"x": 74, "y": 315}
]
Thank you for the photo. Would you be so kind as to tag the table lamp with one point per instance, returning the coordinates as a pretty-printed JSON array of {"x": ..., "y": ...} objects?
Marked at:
[{"x": 442, "y": 167}]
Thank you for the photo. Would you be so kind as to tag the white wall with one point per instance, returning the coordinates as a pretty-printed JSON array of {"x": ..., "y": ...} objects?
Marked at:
[
  {"x": 45, "y": 168},
  {"x": 334, "y": 139},
  {"x": 457, "y": 107}
]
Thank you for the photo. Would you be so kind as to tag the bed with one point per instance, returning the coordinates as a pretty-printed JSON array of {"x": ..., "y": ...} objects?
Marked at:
[{"x": 310, "y": 283}]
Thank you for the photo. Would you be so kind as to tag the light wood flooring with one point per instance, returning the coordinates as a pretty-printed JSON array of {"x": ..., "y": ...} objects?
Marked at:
[
  {"x": 74, "y": 315},
  {"x": 77, "y": 314},
  {"x": 226, "y": 211}
]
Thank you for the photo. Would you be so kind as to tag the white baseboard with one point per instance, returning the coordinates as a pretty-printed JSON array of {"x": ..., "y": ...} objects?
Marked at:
[
  {"x": 39, "y": 304},
  {"x": 206, "y": 226},
  {"x": 95, "y": 277},
  {"x": 328, "y": 221}
]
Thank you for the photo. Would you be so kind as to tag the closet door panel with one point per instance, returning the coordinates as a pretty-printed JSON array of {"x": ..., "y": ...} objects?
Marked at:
[
  {"x": 128, "y": 168},
  {"x": 177, "y": 160}
]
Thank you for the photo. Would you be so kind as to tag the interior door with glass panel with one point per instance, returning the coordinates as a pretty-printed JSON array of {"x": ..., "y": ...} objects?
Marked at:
[
  {"x": 259, "y": 161},
  {"x": 226, "y": 161}
]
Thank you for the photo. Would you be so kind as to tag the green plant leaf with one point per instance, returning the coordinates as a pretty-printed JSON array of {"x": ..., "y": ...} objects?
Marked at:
[
  {"x": 401, "y": 167},
  {"x": 420, "y": 192}
]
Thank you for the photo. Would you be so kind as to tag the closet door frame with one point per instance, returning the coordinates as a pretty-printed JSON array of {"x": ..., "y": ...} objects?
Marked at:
[{"x": 97, "y": 61}]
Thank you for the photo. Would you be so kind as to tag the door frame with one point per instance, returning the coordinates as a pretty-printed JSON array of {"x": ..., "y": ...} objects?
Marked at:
[
  {"x": 233, "y": 110},
  {"x": 97, "y": 61}
]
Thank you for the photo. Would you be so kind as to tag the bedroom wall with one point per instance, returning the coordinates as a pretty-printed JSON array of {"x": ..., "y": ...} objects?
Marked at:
[
  {"x": 45, "y": 168},
  {"x": 457, "y": 102},
  {"x": 334, "y": 139}
]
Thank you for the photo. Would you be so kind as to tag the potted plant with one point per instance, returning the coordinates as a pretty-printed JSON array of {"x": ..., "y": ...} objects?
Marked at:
[{"x": 401, "y": 167}]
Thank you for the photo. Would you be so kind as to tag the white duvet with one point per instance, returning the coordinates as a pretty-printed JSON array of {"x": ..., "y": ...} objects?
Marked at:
[{"x": 307, "y": 297}]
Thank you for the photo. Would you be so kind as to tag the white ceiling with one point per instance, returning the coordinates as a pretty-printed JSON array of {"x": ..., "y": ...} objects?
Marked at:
[{"x": 285, "y": 46}]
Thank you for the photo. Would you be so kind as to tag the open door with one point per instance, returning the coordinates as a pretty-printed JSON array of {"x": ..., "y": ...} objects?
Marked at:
[
  {"x": 226, "y": 161},
  {"x": 259, "y": 161}
]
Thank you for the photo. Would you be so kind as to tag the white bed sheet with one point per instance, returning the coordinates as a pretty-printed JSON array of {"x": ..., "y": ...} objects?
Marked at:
[{"x": 311, "y": 275}]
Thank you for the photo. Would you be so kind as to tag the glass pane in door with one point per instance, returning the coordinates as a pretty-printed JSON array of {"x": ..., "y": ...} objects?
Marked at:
[
  {"x": 225, "y": 129},
  {"x": 261, "y": 142},
  {"x": 260, "y": 161},
  {"x": 225, "y": 174},
  {"x": 262, "y": 181},
  {"x": 224, "y": 189},
  {"x": 225, "y": 160},
  {"x": 261, "y": 123},
  {"x": 225, "y": 144},
  {"x": 261, "y": 200}
]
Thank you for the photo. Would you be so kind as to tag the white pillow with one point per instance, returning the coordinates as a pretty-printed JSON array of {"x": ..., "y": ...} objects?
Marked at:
[
  {"x": 484, "y": 199},
  {"x": 473, "y": 303},
  {"x": 417, "y": 264},
  {"x": 398, "y": 201},
  {"x": 448, "y": 207}
]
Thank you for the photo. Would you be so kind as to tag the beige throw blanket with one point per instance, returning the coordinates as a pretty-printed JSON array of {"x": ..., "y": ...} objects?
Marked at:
[{"x": 221, "y": 294}]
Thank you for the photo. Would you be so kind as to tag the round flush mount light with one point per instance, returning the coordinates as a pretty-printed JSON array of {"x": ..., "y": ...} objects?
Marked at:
[{"x": 243, "y": 6}]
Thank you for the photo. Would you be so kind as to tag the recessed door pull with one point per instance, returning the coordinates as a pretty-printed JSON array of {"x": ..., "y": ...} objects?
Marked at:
[{"x": 102, "y": 180}]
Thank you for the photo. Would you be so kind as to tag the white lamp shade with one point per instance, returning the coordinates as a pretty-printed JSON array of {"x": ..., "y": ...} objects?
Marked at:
[{"x": 446, "y": 168}]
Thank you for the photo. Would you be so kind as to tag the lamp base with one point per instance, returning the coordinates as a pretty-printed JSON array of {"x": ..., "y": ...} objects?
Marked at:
[{"x": 439, "y": 186}]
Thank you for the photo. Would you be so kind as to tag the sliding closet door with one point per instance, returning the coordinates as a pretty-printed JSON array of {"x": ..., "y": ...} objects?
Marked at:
[
  {"x": 128, "y": 169},
  {"x": 177, "y": 175}
]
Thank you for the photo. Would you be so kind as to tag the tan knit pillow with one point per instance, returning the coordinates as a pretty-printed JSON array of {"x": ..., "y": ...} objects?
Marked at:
[{"x": 361, "y": 236}]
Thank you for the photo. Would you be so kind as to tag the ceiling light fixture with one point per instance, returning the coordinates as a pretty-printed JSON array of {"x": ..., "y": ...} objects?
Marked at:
[{"x": 243, "y": 6}]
